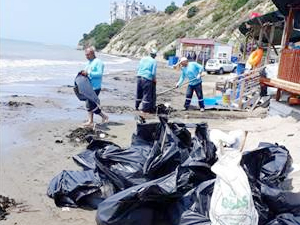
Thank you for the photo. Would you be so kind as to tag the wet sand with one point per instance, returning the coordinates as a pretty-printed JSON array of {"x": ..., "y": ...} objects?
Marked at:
[{"x": 35, "y": 146}]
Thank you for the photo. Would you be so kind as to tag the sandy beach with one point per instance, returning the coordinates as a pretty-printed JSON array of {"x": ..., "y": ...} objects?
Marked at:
[{"x": 34, "y": 146}]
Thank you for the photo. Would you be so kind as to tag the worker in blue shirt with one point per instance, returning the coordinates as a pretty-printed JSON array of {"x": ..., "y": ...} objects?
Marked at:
[
  {"x": 146, "y": 83},
  {"x": 192, "y": 71},
  {"x": 94, "y": 71}
]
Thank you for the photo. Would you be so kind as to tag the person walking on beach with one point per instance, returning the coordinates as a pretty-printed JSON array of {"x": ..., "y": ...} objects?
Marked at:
[
  {"x": 94, "y": 71},
  {"x": 146, "y": 83},
  {"x": 192, "y": 71}
]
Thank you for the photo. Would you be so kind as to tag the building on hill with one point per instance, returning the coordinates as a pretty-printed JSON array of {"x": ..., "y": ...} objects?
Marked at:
[{"x": 127, "y": 10}]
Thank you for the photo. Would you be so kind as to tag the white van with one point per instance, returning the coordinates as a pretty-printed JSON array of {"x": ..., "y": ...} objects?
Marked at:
[{"x": 220, "y": 66}]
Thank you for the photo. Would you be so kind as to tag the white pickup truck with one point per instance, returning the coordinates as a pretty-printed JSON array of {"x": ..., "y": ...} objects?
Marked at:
[{"x": 220, "y": 66}]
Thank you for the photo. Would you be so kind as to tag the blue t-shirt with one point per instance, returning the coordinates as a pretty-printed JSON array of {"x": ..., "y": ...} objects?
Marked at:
[
  {"x": 95, "y": 68},
  {"x": 191, "y": 72},
  {"x": 147, "y": 68}
]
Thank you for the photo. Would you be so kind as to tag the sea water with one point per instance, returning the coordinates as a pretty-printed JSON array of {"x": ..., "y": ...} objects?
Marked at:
[
  {"x": 28, "y": 63},
  {"x": 36, "y": 69}
]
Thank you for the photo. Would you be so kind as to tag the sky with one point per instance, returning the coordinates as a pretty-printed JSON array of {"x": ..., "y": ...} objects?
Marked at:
[{"x": 57, "y": 21}]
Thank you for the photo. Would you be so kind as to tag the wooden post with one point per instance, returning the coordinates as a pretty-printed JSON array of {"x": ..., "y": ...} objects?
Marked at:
[
  {"x": 245, "y": 48},
  {"x": 242, "y": 88},
  {"x": 233, "y": 97},
  {"x": 278, "y": 94},
  {"x": 261, "y": 33},
  {"x": 270, "y": 42},
  {"x": 289, "y": 26}
]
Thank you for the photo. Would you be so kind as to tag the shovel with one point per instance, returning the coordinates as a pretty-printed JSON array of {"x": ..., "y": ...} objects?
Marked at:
[{"x": 163, "y": 92}]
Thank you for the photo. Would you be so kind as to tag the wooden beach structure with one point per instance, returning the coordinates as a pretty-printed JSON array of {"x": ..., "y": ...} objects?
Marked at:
[{"x": 279, "y": 28}]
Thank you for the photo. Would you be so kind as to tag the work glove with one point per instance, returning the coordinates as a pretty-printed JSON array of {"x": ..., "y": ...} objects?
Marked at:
[{"x": 199, "y": 76}]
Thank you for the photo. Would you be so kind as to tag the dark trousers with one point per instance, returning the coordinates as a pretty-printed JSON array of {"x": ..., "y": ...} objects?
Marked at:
[
  {"x": 91, "y": 106},
  {"x": 145, "y": 94},
  {"x": 189, "y": 94}
]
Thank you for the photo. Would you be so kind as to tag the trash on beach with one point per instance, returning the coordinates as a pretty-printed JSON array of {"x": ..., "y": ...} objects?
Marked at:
[
  {"x": 80, "y": 134},
  {"x": 84, "y": 90},
  {"x": 59, "y": 141},
  {"x": 231, "y": 201},
  {"x": 84, "y": 189},
  {"x": 16, "y": 104},
  {"x": 166, "y": 177},
  {"x": 6, "y": 203},
  {"x": 65, "y": 209}
]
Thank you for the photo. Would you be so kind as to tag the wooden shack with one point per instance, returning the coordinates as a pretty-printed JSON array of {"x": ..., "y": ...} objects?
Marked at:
[
  {"x": 279, "y": 28},
  {"x": 289, "y": 65}
]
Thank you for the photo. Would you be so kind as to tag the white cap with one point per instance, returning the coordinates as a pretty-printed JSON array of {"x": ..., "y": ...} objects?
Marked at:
[
  {"x": 183, "y": 59},
  {"x": 153, "y": 51}
]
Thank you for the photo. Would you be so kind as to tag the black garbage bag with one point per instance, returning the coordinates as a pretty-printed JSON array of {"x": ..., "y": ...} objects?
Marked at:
[
  {"x": 194, "y": 205},
  {"x": 267, "y": 168},
  {"x": 169, "y": 151},
  {"x": 285, "y": 219},
  {"x": 84, "y": 189},
  {"x": 147, "y": 203},
  {"x": 202, "y": 156},
  {"x": 86, "y": 159},
  {"x": 123, "y": 167},
  {"x": 156, "y": 150},
  {"x": 280, "y": 201},
  {"x": 202, "y": 149},
  {"x": 146, "y": 134},
  {"x": 269, "y": 164},
  {"x": 193, "y": 218},
  {"x": 84, "y": 90}
]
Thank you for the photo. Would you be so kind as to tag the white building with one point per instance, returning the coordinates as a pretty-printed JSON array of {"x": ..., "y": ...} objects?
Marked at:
[{"x": 127, "y": 10}]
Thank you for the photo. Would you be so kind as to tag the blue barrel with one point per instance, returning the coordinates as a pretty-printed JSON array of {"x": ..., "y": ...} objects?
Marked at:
[
  {"x": 234, "y": 59},
  {"x": 240, "y": 68},
  {"x": 173, "y": 60}
]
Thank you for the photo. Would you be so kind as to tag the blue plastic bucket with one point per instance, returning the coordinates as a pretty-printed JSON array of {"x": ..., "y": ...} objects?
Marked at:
[
  {"x": 172, "y": 60},
  {"x": 240, "y": 68}
]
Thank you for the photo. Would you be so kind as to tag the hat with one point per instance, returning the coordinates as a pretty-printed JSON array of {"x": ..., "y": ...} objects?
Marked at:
[
  {"x": 183, "y": 59},
  {"x": 153, "y": 51}
]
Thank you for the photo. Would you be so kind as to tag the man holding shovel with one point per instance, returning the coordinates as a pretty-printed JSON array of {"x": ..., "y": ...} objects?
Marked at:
[{"x": 192, "y": 71}]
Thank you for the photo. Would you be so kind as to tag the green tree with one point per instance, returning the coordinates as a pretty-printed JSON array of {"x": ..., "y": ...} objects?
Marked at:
[
  {"x": 238, "y": 4},
  {"x": 169, "y": 53},
  {"x": 192, "y": 11},
  {"x": 171, "y": 8},
  {"x": 102, "y": 33},
  {"x": 187, "y": 2}
]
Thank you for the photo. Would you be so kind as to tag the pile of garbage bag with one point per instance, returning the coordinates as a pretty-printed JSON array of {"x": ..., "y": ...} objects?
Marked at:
[{"x": 169, "y": 176}]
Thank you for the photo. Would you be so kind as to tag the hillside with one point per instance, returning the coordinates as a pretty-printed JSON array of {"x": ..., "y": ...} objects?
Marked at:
[{"x": 218, "y": 19}]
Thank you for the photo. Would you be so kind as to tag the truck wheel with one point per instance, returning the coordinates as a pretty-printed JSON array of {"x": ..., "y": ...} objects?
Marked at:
[{"x": 221, "y": 71}]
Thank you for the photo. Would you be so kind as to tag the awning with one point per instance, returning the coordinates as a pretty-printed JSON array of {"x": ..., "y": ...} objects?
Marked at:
[
  {"x": 253, "y": 26},
  {"x": 284, "y": 6}
]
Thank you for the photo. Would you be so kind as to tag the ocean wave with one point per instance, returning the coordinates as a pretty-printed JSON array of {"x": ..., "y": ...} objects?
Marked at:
[
  {"x": 19, "y": 78},
  {"x": 5, "y": 63},
  {"x": 119, "y": 61},
  {"x": 8, "y": 63}
]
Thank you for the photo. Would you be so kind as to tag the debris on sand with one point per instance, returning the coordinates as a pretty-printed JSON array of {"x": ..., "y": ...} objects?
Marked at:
[
  {"x": 117, "y": 109},
  {"x": 5, "y": 203},
  {"x": 82, "y": 135},
  {"x": 16, "y": 104},
  {"x": 79, "y": 134}
]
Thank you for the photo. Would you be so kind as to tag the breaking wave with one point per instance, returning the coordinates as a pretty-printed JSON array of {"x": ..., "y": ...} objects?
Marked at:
[{"x": 5, "y": 63}]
